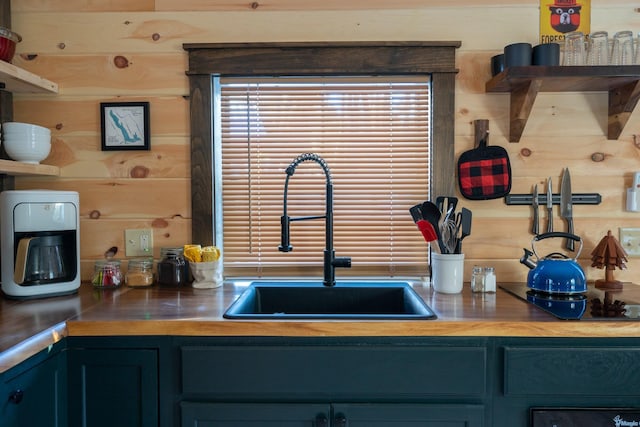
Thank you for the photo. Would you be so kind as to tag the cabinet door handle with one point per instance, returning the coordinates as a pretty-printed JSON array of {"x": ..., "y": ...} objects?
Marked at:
[
  {"x": 340, "y": 421},
  {"x": 16, "y": 396},
  {"x": 321, "y": 421}
]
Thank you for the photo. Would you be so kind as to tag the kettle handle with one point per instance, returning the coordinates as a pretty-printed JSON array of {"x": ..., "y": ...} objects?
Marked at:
[
  {"x": 562, "y": 234},
  {"x": 557, "y": 234}
]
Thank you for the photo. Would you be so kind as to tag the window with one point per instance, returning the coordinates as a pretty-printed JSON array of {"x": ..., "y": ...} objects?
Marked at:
[
  {"x": 373, "y": 132},
  {"x": 409, "y": 59}
]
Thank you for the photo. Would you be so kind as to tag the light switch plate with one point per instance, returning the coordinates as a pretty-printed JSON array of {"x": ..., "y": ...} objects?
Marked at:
[
  {"x": 630, "y": 241},
  {"x": 138, "y": 242}
]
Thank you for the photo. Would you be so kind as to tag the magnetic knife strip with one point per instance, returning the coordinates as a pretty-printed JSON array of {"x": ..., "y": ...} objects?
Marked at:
[{"x": 576, "y": 199}]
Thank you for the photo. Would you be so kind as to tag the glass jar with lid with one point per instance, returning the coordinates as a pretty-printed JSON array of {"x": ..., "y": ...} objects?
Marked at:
[
  {"x": 489, "y": 279},
  {"x": 173, "y": 268},
  {"x": 107, "y": 274},
  {"x": 477, "y": 279},
  {"x": 139, "y": 272}
]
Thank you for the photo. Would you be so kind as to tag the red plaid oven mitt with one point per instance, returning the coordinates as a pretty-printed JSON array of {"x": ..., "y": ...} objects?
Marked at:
[{"x": 484, "y": 172}]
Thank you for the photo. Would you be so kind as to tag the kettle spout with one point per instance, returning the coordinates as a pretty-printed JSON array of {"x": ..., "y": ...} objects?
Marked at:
[{"x": 526, "y": 259}]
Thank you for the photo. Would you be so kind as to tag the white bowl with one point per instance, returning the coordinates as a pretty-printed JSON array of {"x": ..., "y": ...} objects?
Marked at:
[
  {"x": 22, "y": 134},
  {"x": 27, "y": 150},
  {"x": 24, "y": 127}
]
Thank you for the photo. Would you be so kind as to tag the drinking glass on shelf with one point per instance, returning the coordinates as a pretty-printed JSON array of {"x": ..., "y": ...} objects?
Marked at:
[
  {"x": 636, "y": 56},
  {"x": 574, "y": 48},
  {"x": 598, "y": 48},
  {"x": 622, "y": 50}
]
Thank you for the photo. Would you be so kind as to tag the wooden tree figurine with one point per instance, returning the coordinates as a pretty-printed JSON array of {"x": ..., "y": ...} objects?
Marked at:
[{"x": 609, "y": 255}]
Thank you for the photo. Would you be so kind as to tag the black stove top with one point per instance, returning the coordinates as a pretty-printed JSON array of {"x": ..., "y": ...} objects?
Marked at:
[{"x": 595, "y": 304}]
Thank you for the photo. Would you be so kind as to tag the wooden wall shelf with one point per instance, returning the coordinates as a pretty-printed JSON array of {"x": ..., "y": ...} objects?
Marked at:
[
  {"x": 9, "y": 167},
  {"x": 524, "y": 83},
  {"x": 17, "y": 80}
]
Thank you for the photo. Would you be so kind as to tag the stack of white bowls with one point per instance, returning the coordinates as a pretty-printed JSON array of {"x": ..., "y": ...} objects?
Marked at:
[{"x": 25, "y": 142}]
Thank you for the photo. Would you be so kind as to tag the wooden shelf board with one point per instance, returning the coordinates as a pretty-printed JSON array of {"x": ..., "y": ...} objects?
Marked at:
[
  {"x": 11, "y": 167},
  {"x": 18, "y": 80},
  {"x": 566, "y": 79}
]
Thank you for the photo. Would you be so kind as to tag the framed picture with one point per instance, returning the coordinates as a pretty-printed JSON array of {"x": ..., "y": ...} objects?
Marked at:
[{"x": 124, "y": 125}]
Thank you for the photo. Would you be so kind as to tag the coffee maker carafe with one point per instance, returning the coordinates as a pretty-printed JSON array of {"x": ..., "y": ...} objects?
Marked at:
[{"x": 40, "y": 243}]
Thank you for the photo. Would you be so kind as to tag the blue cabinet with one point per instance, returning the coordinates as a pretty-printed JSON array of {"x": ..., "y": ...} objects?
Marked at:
[
  {"x": 34, "y": 392},
  {"x": 323, "y": 382}
]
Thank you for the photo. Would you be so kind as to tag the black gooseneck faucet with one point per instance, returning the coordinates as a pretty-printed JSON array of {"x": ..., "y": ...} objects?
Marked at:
[{"x": 330, "y": 260}]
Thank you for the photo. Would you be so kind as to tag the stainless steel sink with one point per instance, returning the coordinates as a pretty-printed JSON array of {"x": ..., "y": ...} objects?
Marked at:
[{"x": 313, "y": 300}]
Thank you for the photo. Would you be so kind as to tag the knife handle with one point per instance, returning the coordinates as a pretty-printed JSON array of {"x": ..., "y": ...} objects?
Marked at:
[
  {"x": 535, "y": 228},
  {"x": 550, "y": 220},
  {"x": 570, "y": 243}
]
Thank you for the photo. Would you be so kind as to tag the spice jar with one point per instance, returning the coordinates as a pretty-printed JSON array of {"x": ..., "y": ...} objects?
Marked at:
[
  {"x": 139, "y": 272},
  {"x": 173, "y": 269},
  {"x": 477, "y": 279},
  {"x": 106, "y": 273}
]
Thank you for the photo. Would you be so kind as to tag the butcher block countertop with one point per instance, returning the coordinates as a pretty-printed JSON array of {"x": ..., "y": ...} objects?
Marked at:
[{"x": 29, "y": 326}]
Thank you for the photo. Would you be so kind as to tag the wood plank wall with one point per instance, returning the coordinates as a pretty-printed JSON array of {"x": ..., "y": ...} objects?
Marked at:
[{"x": 130, "y": 50}]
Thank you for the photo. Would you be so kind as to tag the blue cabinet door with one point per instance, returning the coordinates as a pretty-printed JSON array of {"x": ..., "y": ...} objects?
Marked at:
[
  {"x": 33, "y": 393},
  {"x": 113, "y": 387},
  {"x": 407, "y": 415},
  {"x": 254, "y": 415}
]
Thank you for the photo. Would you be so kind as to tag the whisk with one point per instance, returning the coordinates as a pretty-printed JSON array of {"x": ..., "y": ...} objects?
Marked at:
[{"x": 449, "y": 233}]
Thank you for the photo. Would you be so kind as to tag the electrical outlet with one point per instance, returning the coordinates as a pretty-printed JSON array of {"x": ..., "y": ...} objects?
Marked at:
[
  {"x": 138, "y": 242},
  {"x": 630, "y": 241}
]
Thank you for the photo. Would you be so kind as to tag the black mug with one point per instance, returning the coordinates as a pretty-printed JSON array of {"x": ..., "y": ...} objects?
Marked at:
[
  {"x": 517, "y": 55},
  {"x": 546, "y": 54},
  {"x": 497, "y": 64}
]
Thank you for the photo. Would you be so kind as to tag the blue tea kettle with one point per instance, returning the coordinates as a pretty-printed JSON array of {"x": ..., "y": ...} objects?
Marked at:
[{"x": 556, "y": 273}]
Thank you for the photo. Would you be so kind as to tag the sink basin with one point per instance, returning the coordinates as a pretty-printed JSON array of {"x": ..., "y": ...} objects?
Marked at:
[{"x": 346, "y": 300}]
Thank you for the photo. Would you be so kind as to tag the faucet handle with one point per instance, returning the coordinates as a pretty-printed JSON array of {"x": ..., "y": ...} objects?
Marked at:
[{"x": 343, "y": 261}]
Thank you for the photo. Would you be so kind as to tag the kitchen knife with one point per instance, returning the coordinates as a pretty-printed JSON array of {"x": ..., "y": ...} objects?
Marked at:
[
  {"x": 566, "y": 209},
  {"x": 549, "y": 207},
  {"x": 535, "y": 229}
]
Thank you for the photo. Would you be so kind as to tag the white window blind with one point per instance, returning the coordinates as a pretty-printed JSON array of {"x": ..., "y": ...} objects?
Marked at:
[{"x": 374, "y": 134}]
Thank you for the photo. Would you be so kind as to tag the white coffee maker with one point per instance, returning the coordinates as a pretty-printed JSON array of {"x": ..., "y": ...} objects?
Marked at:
[{"x": 40, "y": 250}]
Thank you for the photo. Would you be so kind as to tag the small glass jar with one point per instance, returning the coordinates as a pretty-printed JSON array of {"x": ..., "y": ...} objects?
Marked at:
[
  {"x": 489, "y": 279},
  {"x": 107, "y": 274},
  {"x": 477, "y": 279},
  {"x": 139, "y": 273},
  {"x": 173, "y": 268}
]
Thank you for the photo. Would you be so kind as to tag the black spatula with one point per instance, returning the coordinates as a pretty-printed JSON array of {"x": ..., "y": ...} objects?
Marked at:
[
  {"x": 465, "y": 227},
  {"x": 416, "y": 212}
]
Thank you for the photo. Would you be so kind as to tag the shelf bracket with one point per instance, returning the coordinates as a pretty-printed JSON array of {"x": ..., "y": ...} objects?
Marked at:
[
  {"x": 522, "y": 99},
  {"x": 622, "y": 101}
]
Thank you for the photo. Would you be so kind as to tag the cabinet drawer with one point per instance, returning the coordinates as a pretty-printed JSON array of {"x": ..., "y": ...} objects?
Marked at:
[
  {"x": 584, "y": 371},
  {"x": 298, "y": 372}
]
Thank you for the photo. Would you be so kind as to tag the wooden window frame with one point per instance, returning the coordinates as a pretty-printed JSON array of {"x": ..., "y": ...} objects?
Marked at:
[{"x": 300, "y": 59}]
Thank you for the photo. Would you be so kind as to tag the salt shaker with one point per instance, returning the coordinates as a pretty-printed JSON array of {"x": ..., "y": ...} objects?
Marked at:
[{"x": 489, "y": 279}]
